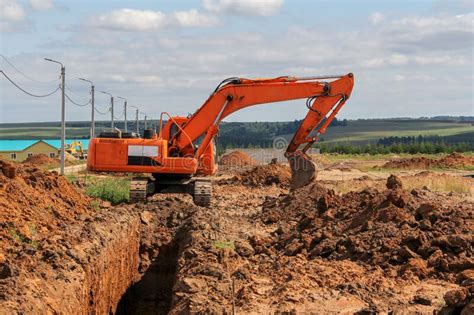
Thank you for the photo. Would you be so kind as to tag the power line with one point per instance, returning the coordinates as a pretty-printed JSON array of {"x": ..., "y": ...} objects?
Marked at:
[
  {"x": 119, "y": 117},
  {"x": 26, "y": 76},
  {"x": 77, "y": 104},
  {"x": 26, "y": 92},
  {"x": 102, "y": 113},
  {"x": 71, "y": 90}
]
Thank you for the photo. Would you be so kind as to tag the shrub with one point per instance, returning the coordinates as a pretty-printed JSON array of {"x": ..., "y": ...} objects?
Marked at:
[{"x": 113, "y": 190}]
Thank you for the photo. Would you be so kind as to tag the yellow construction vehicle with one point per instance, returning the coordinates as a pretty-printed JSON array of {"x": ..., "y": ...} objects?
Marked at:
[{"x": 75, "y": 149}]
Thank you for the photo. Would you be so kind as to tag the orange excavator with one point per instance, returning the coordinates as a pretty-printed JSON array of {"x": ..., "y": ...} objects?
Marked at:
[{"x": 181, "y": 157}]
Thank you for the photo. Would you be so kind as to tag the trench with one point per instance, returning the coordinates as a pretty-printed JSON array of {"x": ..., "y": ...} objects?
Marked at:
[{"x": 153, "y": 293}]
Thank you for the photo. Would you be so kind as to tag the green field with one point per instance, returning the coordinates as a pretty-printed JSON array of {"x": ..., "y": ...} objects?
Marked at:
[
  {"x": 355, "y": 131},
  {"x": 366, "y": 131},
  {"x": 51, "y": 130}
]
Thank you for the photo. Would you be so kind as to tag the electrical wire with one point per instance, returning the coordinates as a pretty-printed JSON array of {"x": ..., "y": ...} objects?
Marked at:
[
  {"x": 26, "y": 92},
  {"x": 121, "y": 116},
  {"x": 102, "y": 113},
  {"x": 26, "y": 76},
  {"x": 77, "y": 104},
  {"x": 72, "y": 91}
]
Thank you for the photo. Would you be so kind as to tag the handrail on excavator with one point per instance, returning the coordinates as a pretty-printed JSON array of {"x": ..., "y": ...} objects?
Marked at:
[{"x": 160, "y": 135}]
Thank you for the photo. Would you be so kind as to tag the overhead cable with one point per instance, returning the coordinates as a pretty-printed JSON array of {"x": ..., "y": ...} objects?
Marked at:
[
  {"x": 75, "y": 103},
  {"x": 26, "y": 92},
  {"x": 25, "y": 75}
]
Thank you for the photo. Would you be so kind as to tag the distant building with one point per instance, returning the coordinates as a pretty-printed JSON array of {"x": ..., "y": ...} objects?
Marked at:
[{"x": 22, "y": 153}]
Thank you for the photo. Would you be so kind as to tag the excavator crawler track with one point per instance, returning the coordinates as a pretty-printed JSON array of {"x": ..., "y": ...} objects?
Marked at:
[
  {"x": 138, "y": 189},
  {"x": 202, "y": 192}
]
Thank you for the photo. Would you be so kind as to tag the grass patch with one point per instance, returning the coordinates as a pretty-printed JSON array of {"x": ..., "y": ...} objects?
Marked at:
[
  {"x": 454, "y": 184},
  {"x": 114, "y": 190},
  {"x": 95, "y": 205},
  {"x": 224, "y": 245},
  {"x": 71, "y": 178}
]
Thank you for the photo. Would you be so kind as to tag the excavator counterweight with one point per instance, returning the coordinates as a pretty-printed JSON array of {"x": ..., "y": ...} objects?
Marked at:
[{"x": 181, "y": 156}]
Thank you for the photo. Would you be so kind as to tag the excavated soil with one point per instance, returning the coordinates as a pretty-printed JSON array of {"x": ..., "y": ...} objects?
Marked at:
[
  {"x": 313, "y": 250},
  {"x": 262, "y": 175},
  {"x": 63, "y": 252},
  {"x": 257, "y": 249},
  {"x": 41, "y": 159},
  {"x": 237, "y": 158},
  {"x": 454, "y": 160},
  {"x": 417, "y": 233}
]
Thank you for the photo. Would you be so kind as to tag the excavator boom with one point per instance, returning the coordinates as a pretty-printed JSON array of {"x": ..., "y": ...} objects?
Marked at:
[{"x": 237, "y": 93}]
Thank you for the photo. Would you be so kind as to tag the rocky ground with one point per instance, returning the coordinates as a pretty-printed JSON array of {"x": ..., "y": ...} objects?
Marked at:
[{"x": 382, "y": 247}]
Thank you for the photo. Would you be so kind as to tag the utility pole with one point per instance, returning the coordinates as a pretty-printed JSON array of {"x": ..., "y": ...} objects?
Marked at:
[
  {"x": 63, "y": 112},
  {"x": 112, "y": 123},
  {"x": 145, "y": 122},
  {"x": 125, "y": 114},
  {"x": 124, "y": 111},
  {"x": 136, "y": 121},
  {"x": 136, "y": 118},
  {"x": 92, "y": 131}
]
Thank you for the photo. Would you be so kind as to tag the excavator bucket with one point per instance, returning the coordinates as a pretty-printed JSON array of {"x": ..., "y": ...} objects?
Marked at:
[{"x": 303, "y": 170}]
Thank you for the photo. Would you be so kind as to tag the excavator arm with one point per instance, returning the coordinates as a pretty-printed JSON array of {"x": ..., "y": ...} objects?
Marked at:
[{"x": 237, "y": 93}]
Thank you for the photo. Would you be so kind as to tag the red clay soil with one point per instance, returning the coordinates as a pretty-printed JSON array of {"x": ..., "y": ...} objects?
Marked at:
[
  {"x": 41, "y": 159},
  {"x": 417, "y": 235},
  {"x": 237, "y": 158},
  {"x": 262, "y": 175},
  {"x": 63, "y": 252},
  {"x": 453, "y": 160},
  {"x": 37, "y": 202}
]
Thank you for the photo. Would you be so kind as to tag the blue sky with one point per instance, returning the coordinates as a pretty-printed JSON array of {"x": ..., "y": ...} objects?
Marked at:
[{"x": 410, "y": 58}]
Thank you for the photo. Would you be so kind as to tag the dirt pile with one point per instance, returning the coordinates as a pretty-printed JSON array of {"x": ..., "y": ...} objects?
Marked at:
[
  {"x": 262, "y": 175},
  {"x": 61, "y": 251},
  {"x": 454, "y": 160},
  {"x": 228, "y": 258},
  {"x": 34, "y": 206},
  {"x": 7, "y": 169},
  {"x": 410, "y": 235},
  {"x": 41, "y": 159},
  {"x": 237, "y": 158}
]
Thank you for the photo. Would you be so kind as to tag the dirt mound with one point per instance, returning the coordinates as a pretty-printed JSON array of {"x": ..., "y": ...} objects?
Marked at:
[
  {"x": 454, "y": 160},
  {"x": 419, "y": 234},
  {"x": 237, "y": 158},
  {"x": 40, "y": 160},
  {"x": 262, "y": 175},
  {"x": 34, "y": 206}
]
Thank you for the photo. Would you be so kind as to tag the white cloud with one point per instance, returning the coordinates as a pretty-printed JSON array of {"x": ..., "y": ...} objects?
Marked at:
[
  {"x": 244, "y": 7},
  {"x": 440, "y": 60},
  {"x": 194, "y": 18},
  {"x": 398, "y": 59},
  {"x": 376, "y": 18},
  {"x": 147, "y": 20},
  {"x": 41, "y": 5},
  {"x": 373, "y": 63},
  {"x": 11, "y": 10},
  {"x": 399, "y": 77},
  {"x": 387, "y": 62},
  {"x": 131, "y": 20},
  {"x": 12, "y": 16},
  {"x": 457, "y": 22}
]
